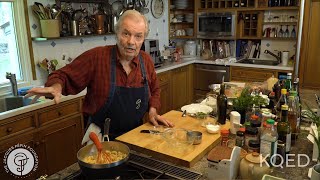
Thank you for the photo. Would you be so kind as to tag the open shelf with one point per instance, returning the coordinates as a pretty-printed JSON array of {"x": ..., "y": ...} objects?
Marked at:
[
  {"x": 279, "y": 39},
  {"x": 69, "y": 37},
  {"x": 280, "y": 23},
  {"x": 182, "y": 37}
]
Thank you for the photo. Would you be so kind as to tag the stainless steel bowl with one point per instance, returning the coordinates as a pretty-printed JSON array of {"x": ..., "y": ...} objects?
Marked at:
[{"x": 196, "y": 136}]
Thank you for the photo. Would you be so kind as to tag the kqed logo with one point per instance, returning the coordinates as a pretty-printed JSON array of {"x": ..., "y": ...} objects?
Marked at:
[{"x": 20, "y": 160}]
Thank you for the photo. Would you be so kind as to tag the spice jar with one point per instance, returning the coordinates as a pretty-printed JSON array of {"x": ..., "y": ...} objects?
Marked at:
[
  {"x": 251, "y": 134},
  {"x": 240, "y": 138},
  {"x": 254, "y": 146},
  {"x": 224, "y": 137}
]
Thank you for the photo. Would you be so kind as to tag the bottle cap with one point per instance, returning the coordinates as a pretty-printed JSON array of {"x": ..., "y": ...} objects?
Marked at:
[
  {"x": 270, "y": 121},
  {"x": 283, "y": 91},
  {"x": 254, "y": 117},
  {"x": 254, "y": 144},
  {"x": 284, "y": 107},
  {"x": 242, "y": 129},
  {"x": 224, "y": 132},
  {"x": 240, "y": 133}
]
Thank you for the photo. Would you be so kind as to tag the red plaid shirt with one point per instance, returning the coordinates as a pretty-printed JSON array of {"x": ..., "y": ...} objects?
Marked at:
[{"x": 91, "y": 70}]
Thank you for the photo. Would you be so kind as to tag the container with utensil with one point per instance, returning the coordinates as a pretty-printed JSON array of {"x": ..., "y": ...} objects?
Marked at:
[{"x": 50, "y": 28}]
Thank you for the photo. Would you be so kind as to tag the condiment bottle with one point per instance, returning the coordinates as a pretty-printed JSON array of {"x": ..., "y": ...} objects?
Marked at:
[
  {"x": 240, "y": 139},
  {"x": 222, "y": 106},
  {"x": 254, "y": 146},
  {"x": 224, "y": 137},
  {"x": 294, "y": 115},
  {"x": 269, "y": 141},
  {"x": 251, "y": 134},
  {"x": 283, "y": 127}
]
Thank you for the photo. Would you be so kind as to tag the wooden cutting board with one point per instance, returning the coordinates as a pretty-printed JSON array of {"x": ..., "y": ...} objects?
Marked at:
[{"x": 157, "y": 147}]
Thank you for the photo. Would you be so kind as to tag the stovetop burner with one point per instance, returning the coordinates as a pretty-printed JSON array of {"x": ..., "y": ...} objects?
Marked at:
[{"x": 142, "y": 167}]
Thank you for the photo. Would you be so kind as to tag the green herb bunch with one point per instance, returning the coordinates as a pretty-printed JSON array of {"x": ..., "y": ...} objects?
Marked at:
[{"x": 246, "y": 100}]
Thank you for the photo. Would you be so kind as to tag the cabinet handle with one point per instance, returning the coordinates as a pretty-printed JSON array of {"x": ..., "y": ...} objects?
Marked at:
[
  {"x": 43, "y": 141},
  {"x": 37, "y": 143},
  {"x": 161, "y": 79},
  {"x": 59, "y": 113},
  {"x": 9, "y": 130}
]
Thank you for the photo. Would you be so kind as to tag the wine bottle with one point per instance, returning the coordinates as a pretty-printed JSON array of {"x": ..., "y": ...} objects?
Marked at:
[{"x": 222, "y": 105}]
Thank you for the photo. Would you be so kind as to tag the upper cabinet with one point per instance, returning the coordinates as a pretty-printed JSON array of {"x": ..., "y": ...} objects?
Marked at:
[{"x": 182, "y": 19}]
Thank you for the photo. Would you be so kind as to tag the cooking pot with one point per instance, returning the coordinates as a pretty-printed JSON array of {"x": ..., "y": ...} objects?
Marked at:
[{"x": 102, "y": 170}]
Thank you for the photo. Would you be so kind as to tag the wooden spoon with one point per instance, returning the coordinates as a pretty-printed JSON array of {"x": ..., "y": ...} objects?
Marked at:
[{"x": 98, "y": 145}]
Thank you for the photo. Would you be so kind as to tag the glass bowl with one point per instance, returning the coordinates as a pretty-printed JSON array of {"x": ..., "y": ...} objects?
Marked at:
[{"x": 178, "y": 138}]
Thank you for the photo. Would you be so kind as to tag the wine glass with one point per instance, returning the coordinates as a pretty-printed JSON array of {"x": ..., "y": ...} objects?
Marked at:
[
  {"x": 293, "y": 32},
  {"x": 280, "y": 33},
  {"x": 286, "y": 33}
]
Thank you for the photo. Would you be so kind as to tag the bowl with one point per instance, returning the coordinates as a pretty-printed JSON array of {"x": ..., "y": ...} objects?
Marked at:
[
  {"x": 196, "y": 135},
  {"x": 212, "y": 129},
  {"x": 177, "y": 138}
]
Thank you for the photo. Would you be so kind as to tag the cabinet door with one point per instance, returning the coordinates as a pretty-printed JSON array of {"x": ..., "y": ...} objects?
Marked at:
[
  {"x": 165, "y": 96},
  {"x": 28, "y": 139},
  {"x": 180, "y": 87},
  {"x": 310, "y": 62},
  {"x": 60, "y": 143}
]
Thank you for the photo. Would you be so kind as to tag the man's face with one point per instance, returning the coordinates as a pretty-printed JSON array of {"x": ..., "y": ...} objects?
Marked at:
[{"x": 130, "y": 37}]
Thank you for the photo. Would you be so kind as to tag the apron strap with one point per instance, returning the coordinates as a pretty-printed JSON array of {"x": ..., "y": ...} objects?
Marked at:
[
  {"x": 101, "y": 112},
  {"x": 145, "y": 80}
]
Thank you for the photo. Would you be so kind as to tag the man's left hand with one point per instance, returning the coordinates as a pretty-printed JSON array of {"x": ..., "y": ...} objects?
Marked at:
[{"x": 154, "y": 118}]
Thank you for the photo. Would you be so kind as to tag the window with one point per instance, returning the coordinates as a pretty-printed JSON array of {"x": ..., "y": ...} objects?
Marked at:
[{"x": 13, "y": 58}]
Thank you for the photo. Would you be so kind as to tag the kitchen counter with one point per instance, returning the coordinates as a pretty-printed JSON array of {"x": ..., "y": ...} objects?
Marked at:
[
  {"x": 303, "y": 146},
  {"x": 186, "y": 60}
]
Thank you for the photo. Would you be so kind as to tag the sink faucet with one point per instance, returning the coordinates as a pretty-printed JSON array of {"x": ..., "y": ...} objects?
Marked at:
[
  {"x": 272, "y": 54},
  {"x": 13, "y": 81}
]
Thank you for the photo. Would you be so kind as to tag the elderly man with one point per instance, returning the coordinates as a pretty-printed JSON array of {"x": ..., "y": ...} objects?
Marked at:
[{"x": 121, "y": 80}]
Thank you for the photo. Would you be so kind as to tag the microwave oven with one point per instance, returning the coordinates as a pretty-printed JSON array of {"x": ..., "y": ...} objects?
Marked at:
[{"x": 216, "y": 25}]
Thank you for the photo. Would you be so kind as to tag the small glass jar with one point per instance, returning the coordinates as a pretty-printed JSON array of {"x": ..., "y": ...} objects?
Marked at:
[
  {"x": 251, "y": 134},
  {"x": 254, "y": 146},
  {"x": 190, "y": 48},
  {"x": 224, "y": 137},
  {"x": 240, "y": 139}
]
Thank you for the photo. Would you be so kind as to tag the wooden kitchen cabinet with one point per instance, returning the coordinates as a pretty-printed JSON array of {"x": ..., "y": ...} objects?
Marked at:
[
  {"x": 309, "y": 66},
  {"x": 165, "y": 95},
  {"x": 251, "y": 74},
  {"x": 54, "y": 132},
  {"x": 180, "y": 87}
]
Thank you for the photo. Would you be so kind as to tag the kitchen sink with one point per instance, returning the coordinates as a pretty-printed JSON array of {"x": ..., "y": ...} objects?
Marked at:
[
  {"x": 13, "y": 102},
  {"x": 259, "y": 61}
]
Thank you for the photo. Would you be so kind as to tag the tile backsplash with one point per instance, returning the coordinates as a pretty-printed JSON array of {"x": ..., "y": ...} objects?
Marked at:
[{"x": 66, "y": 49}]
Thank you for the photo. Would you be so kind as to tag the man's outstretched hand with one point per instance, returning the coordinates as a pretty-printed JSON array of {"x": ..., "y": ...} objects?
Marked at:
[{"x": 53, "y": 91}]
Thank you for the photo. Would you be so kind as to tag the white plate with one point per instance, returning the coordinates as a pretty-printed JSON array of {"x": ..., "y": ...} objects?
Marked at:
[{"x": 195, "y": 108}]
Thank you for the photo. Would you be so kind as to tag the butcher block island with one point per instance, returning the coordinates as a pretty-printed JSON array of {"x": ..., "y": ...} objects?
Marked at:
[{"x": 155, "y": 145}]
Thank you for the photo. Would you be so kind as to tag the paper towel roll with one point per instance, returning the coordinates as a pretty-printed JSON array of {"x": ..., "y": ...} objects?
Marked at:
[{"x": 284, "y": 58}]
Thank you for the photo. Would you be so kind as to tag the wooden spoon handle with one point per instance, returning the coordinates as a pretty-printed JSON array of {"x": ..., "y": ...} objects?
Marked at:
[{"x": 95, "y": 140}]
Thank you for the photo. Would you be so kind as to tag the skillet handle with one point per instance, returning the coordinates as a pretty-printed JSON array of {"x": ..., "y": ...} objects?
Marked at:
[{"x": 95, "y": 140}]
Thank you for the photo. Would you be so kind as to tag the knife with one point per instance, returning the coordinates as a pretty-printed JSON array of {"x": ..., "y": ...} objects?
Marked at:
[
  {"x": 149, "y": 131},
  {"x": 106, "y": 129},
  {"x": 184, "y": 113}
]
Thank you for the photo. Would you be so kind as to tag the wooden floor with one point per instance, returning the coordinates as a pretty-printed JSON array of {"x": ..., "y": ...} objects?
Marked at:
[{"x": 307, "y": 97}]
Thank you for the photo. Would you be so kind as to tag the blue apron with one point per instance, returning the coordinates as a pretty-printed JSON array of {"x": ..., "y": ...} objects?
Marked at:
[{"x": 124, "y": 106}]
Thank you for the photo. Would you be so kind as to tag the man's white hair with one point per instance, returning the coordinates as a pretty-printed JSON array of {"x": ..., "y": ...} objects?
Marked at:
[{"x": 135, "y": 14}]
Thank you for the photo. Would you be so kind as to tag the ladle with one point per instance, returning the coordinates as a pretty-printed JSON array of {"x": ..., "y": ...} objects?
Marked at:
[{"x": 98, "y": 145}]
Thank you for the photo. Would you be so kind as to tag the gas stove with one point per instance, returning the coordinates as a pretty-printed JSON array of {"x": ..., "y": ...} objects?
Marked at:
[{"x": 143, "y": 167}]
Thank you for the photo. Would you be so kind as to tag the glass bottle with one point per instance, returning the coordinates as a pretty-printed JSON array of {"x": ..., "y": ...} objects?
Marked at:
[
  {"x": 280, "y": 33},
  {"x": 293, "y": 32},
  {"x": 268, "y": 141},
  {"x": 293, "y": 115},
  {"x": 240, "y": 139},
  {"x": 286, "y": 33},
  {"x": 288, "y": 83},
  {"x": 222, "y": 105},
  {"x": 283, "y": 127},
  {"x": 282, "y": 100}
]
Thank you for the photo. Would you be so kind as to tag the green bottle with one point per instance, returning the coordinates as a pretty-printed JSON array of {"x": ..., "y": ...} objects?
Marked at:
[{"x": 284, "y": 129}]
